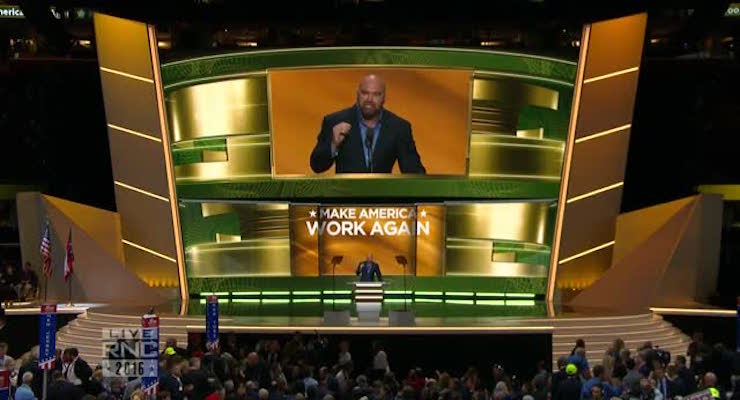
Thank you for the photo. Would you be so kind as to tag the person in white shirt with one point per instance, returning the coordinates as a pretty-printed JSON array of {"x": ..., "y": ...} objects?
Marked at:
[
  {"x": 380, "y": 361},
  {"x": 4, "y": 357},
  {"x": 344, "y": 354}
]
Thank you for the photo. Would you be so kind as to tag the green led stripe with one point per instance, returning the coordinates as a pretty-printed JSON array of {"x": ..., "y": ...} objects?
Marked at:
[
  {"x": 245, "y": 300},
  {"x": 307, "y": 293},
  {"x": 338, "y": 301},
  {"x": 465, "y": 294},
  {"x": 490, "y": 302},
  {"x": 245, "y": 293},
  {"x": 204, "y": 294},
  {"x": 337, "y": 292},
  {"x": 519, "y": 302},
  {"x": 459, "y": 301},
  {"x": 399, "y": 292},
  {"x": 275, "y": 301},
  {"x": 397, "y": 300},
  {"x": 425, "y": 300},
  {"x": 205, "y": 301},
  {"x": 276, "y": 293},
  {"x": 521, "y": 295},
  {"x": 306, "y": 300},
  {"x": 428, "y": 293},
  {"x": 488, "y": 294}
]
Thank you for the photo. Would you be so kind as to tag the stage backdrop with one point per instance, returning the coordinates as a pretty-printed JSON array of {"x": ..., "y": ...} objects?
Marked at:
[{"x": 435, "y": 101}]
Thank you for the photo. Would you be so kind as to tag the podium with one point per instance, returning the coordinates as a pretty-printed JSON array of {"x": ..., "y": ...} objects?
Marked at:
[{"x": 368, "y": 298}]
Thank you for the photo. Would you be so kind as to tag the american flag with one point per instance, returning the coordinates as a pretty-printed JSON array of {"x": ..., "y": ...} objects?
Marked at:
[
  {"x": 69, "y": 259},
  {"x": 46, "y": 251}
]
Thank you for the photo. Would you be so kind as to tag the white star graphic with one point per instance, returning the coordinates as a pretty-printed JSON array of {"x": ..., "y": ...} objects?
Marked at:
[
  {"x": 312, "y": 213},
  {"x": 423, "y": 213}
]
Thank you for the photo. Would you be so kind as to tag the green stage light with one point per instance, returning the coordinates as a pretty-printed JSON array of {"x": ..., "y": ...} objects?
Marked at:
[
  {"x": 392, "y": 292},
  {"x": 275, "y": 301},
  {"x": 425, "y": 300},
  {"x": 337, "y": 292},
  {"x": 276, "y": 293},
  {"x": 490, "y": 302},
  {"x": 245, "y": 300},
  {"x": 520, "y": 302},
  {"x": 521, "y": 295},
  {"x": 245, "y": 293},
  {"x": 307, "y": 293},
  {"x": 470, "y": 302},
  {"x": 205, "y": 301},
  {"x": 460, "y": 294},
  {"x": 428, "y": 293},
  {"x": 306, "y": 300},
  {"x": 397, "y": 300},
  {"x": 338, "y": 301},
  {"x": 489, "y": 294}
]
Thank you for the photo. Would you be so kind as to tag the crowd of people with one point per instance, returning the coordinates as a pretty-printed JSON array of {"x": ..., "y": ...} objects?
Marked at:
[
  {"x": 649, "y": 373},
  {"x": 300, "y": 369},
  {"x": 18, "y": 285}
]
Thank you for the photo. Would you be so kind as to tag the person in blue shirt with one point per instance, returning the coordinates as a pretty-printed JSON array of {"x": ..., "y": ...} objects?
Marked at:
[
  {"x": 24, "y": 392},
  {"x": 579, "y": 359},
  {"x": 600, "y": 379}
]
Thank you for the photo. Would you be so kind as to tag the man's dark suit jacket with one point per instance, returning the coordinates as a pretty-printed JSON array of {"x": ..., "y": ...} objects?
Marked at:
[
  {"x": 367, "y": 270},
  {"x": 395, "y": 143}
]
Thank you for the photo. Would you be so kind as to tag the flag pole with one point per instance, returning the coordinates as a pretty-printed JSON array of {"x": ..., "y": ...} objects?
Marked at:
[
  {"x": 68, "y": 266},
  {"x": 46, "y": 287},
  {"x": 70, "y": 290}
]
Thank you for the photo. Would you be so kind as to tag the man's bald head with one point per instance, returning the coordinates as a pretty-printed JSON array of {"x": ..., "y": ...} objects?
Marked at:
[
  {"x": 371, "y": 96},
  {"x": 372, "y": 80}
]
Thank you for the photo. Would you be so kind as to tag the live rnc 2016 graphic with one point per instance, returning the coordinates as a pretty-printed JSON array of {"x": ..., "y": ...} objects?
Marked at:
[{"x": 128, "y": 352}]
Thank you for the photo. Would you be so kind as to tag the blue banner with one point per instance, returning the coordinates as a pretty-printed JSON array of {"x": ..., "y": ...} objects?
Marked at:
[
  {"x": 211, "y": 321},
  {"x": 47, "y": 336},
  {"x": 150, "y": 354}
]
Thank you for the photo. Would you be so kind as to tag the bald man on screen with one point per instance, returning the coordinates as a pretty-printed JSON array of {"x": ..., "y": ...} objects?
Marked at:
[{"x": 366, "y": 138}]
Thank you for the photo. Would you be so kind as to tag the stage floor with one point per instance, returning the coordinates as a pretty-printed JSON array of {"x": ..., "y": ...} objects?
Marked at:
[{"x": 428, "y": 315}]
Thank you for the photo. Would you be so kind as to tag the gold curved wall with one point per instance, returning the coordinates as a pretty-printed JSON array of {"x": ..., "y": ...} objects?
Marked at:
[
  {"x": 245, "y": 240},
  {"x": 523, "y": 222},
  {"x": 494, "y": 155},
  {"x": 497, "y": 148},
  {"x": 474, "y": 229},
  {"x": 253, "y": 257},
  {"x": 235, "y": 111},
  {"x": 231, "y": 107},
  {"x": 244, "y": 156}
]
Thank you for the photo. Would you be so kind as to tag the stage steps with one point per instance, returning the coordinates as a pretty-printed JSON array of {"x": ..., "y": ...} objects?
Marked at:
[{"x": 598, "y": 332}]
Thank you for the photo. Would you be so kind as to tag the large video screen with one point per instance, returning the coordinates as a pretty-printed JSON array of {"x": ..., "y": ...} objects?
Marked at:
[
  {"x": 294, "y": 165},
  {"x": 318, "y": 123},
  {"x": 329, "y": 134}
]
